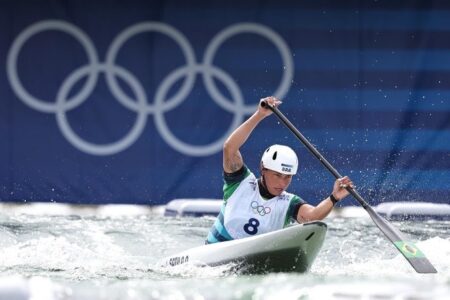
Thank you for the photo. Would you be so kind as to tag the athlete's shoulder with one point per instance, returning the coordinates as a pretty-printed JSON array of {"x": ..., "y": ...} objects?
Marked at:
[{"x": 238, "y": 176}]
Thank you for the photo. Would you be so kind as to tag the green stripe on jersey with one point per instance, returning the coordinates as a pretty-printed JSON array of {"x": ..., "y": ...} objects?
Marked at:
[{"x": 229, "y": 188}]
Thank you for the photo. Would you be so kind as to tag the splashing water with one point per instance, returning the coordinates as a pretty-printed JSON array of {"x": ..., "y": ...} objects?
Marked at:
[{"x": 115, "y": 257}]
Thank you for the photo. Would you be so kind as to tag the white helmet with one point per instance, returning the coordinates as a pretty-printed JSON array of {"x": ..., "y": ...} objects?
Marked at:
[{"x": 281, "y": 159}]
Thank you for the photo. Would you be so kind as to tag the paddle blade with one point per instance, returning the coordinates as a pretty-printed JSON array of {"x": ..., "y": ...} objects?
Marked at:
[
  {"x": 415, "y": 257},
  {"x": 410, "y": 251}
]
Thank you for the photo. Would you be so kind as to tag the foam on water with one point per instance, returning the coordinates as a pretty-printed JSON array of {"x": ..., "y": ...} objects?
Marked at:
[{"x": 84, "y": 256}]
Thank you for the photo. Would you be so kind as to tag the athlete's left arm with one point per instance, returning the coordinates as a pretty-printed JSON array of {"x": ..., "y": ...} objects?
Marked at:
[{"x": 309, "y": 212}]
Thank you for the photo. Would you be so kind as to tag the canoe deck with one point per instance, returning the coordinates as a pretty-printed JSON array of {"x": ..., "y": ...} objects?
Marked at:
[{"x": 292, "y": 249}]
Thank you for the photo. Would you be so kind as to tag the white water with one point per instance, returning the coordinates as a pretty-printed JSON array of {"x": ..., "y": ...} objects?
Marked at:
[{"x": 91, "y": 256}]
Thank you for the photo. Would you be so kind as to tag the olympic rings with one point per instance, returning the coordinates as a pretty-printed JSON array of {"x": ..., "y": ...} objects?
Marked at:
[
  {"x": 141, "y": 105},
  {"x": 260, "y": 209}
]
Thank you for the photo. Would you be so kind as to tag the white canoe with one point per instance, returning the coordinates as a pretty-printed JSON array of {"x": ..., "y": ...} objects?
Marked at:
[{"x": 292, "y": 249}]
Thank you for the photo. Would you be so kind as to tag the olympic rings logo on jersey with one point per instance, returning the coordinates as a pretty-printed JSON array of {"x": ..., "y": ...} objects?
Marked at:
[
  {"x": 140, "y": 105},
  {"x": 260, "y": 209}
]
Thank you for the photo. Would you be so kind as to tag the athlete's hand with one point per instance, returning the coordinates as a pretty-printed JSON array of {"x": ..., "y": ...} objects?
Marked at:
[
  {"x": 271, "y": 101},
  {"x": 340, "y": 187}
]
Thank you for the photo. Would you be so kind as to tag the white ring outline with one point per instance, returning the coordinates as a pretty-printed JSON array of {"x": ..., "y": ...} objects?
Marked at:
[
  {"x": 170, "y": 138},
  {"x": 14, "y": 52},
  {"x": 105, "y": 149},
  {"x": 170, "y": 31},
  {"x": 271, "y": 35}
]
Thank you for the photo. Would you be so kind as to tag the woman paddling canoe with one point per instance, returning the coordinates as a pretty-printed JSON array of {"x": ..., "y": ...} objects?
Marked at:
[{"x": 259, "y": 205}]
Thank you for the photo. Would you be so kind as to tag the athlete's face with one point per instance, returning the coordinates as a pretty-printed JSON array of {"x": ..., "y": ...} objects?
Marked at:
[{"x": 276, "y": 182}]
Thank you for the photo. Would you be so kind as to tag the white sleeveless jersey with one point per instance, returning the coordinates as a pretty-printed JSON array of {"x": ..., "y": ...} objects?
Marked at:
[{"x": 247, "y": 213}]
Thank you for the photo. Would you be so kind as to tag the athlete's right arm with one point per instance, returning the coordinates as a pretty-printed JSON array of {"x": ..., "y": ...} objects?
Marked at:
[{"x": 232, "y": 158}]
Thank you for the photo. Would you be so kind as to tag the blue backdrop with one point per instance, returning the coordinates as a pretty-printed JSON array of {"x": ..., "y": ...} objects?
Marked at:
[{"x": 130, "y": 101}]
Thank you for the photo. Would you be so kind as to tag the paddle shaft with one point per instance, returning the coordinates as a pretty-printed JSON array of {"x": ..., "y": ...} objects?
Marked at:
[
  {"x": 314, "y": 151},
  {"x": 421, "y": 265}
]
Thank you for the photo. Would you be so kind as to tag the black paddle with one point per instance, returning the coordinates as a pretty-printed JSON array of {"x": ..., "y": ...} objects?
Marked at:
[{"x": 414, "y": 256}]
